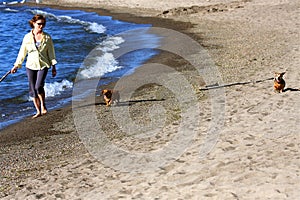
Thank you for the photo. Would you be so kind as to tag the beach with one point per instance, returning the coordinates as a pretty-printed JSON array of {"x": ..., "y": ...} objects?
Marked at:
[{"x": 241, "y": 143}]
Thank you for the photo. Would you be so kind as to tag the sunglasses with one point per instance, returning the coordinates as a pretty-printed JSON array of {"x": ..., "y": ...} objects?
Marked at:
[{"x": 43, "y": 24}]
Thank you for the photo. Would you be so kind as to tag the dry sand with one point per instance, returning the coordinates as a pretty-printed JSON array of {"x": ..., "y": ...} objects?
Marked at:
[{"x": 257, "y": 151}]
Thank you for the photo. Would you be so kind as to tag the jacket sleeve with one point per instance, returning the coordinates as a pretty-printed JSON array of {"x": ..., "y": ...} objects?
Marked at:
[
  {"x": 22, "y": 54},
  {"x": 51, "y": 52}
]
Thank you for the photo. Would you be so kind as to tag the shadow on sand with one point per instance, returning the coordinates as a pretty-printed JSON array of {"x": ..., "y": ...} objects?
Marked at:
[
  {"x": 131, "y": 102},
  {"x": 216, "y": 86}
]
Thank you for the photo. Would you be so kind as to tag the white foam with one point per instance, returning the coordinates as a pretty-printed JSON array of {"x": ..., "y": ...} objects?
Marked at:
[
  {"x": 13, "y": 2},
  {"x": 10, "y": 10},
  {"x": 53, "y": 89},
  {"x": 95, "y": 27},
  {"x": 92, "y": 27},
  {"x": 110, "y": 44},
  {"x": 106, "y": 62}
]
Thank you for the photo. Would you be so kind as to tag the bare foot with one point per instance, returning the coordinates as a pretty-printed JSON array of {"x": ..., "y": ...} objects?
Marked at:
[
  {"x": 44, "y": 112},
  {"x": 36, "y": 115}
]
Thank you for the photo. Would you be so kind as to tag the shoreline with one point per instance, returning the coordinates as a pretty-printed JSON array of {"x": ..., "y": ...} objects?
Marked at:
[
  {"x": 20, "y": 130},
  {"x": 256, "y": 154},
  {"x": 29, "y": 133}
]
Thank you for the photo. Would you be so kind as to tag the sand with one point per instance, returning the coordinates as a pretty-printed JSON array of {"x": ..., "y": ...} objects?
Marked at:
[{"x": 225, "y": 133}]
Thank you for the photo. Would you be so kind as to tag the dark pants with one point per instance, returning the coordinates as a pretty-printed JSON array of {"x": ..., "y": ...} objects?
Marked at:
[{"x": 36, "y": 79}]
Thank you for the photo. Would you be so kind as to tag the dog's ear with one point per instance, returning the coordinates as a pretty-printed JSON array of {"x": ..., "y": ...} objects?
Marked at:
[
  {"x": 283, "y": 73},
  {"x": 103, "y": 91}
]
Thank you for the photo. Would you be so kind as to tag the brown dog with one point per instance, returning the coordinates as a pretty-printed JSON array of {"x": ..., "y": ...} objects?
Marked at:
[
  {"x": 110, "y": 96},
  {"x": 279, "y": 83}
]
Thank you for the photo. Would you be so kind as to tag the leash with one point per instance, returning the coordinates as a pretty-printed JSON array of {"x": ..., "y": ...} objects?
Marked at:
[{"x": 4, "y": 76}]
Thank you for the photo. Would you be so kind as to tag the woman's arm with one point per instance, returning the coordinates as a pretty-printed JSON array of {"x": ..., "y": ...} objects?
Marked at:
[
  {"x": 22, "y": 54},
  {"x": 51, "y": 52}
]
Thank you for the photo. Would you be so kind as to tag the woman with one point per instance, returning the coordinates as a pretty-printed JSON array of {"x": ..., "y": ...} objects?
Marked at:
[{"x": 38, "y": 46}]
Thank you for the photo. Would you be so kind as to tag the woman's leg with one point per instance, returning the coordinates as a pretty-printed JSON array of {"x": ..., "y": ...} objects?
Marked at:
[
  {"x": 39, "y": 87},
  {"x": 42, "y": 102},
  {"x": 37, "y": 105},
  {"x": 32, "y": 77}
]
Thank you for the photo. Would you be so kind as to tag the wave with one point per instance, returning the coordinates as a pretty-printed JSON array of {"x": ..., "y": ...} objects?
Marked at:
[
  {"x": 12, "y": 2},
  {"x": 56, "y": 88},
  {"x": 91, "y": 27},
  {"x": 105, "y": 62},
  {"x": 102, "y": 60},
  {"x": 110, "y": 44},
  {"x": 51, "y": 90},
  {"x": 10, "y": 10}
]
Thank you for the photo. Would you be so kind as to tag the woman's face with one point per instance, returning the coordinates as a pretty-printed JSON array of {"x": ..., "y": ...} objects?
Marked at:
[{"x": 39, "y": 25}]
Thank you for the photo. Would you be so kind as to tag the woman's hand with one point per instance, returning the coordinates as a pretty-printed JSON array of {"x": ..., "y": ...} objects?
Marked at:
[
  {"x": 14, "y": 69},
  {"x": 53, "y": 71}
]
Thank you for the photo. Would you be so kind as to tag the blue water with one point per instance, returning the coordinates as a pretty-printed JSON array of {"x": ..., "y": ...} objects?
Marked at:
[{"x": 75, "y": 33}]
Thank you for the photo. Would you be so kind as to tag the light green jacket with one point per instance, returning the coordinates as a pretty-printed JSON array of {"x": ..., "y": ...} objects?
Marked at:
[{"x": 37, "y": 58}]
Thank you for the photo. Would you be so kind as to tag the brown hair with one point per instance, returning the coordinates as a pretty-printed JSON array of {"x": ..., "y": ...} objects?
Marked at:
[{"x": 36, "y": 18}]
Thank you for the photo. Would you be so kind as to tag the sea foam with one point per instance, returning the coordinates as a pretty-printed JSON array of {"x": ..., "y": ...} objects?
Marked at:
[
  {"x": 56, "y": 88},
  {"x": 92, "y": 27},
  {"x": 105, "y": 62}
]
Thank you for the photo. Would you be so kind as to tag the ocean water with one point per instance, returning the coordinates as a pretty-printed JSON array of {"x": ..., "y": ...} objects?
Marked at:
[{"x": 75, "y": 34}]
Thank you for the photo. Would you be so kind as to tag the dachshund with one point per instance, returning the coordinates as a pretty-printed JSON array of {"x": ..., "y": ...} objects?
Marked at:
[
  {"x": 111, "y": 96},
  {"x": 279, "y": 82}
]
